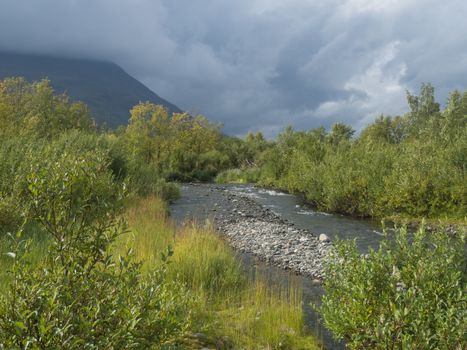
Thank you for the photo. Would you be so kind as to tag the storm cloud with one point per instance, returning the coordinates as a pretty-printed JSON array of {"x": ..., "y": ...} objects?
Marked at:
[{"x": 259, "y": 64}]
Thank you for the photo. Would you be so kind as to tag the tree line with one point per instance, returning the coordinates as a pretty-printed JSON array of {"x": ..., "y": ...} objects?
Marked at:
[
  {"x": 411, "y": 166},
  {"x": 63, "y": 179},
  {"x": 71, "y": 274}
]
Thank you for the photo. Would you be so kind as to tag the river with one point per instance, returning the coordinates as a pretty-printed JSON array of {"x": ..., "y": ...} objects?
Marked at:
[{"x": 200, "y": 202}]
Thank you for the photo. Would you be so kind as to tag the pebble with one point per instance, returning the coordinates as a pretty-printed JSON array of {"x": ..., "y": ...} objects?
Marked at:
[{"x": 251, "y": 228}]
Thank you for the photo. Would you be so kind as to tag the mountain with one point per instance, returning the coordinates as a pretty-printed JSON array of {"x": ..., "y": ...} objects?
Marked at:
[{"x": 105, "y": 87}]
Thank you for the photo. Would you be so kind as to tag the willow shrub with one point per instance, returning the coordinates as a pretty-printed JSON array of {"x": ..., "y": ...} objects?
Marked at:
[
  {"x": 144, "y": 180},
  {"x": 409, "y": 294},
  {"x": 81, "y": 296},
  {"x": 240, "y": 176}
]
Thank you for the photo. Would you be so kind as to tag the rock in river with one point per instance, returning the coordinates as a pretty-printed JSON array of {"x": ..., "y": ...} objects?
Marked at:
[{"x": 251, "y": 228}]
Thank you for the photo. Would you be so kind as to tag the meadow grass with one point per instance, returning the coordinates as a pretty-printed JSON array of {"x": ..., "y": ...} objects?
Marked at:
[
  {"x": 150, "y": 230},
  {"x": 205, "y": 264},
  {"x": 37, "y": 251},
  {"x": 264, "y": 317},
  {"x": 231, "y": 309}
]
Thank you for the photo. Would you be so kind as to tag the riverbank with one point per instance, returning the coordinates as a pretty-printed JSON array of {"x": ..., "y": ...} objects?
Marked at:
[
  {"x": 450, "y": 224},
  {"x": 221, "y": 204},
  {"x": 381, "y": 274},
  {"x": 229, "y": 310},
  {"x": 251, "y": 228}
]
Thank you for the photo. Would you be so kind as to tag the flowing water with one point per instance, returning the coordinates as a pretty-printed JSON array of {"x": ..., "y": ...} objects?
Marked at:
[{"x": 293, "y": 209}]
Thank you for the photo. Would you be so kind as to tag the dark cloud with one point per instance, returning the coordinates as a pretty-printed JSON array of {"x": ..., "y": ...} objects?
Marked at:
[{"x": 259, "y": 64}]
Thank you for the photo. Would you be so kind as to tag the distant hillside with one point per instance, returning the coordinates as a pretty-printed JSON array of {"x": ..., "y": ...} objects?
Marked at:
[{"x": 105, "y": 87}]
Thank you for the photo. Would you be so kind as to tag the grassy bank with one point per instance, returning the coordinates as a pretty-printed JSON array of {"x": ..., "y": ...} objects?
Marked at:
[
  {"x": 230, "y": 311},
  {"x": 430, "y": 224}
]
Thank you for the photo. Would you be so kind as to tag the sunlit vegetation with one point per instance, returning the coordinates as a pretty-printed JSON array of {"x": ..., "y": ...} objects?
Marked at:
[
  {"x": 409, "y": 294},
  {"x": 231, "y": 310},
  {"x": 409, "y": 166},
  {"x": 89, "y": 258}
]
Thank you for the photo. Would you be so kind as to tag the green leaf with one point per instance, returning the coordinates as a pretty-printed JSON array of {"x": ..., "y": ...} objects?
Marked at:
[{"x": 20, "y": 325}]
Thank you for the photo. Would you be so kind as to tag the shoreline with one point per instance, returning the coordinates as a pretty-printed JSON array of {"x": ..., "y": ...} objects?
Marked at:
[
  {"x": 251, "y": 228},
  {"x": 451, "y": 225}
]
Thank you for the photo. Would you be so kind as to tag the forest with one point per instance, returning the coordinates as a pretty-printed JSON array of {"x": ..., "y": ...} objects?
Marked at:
[{"x": 90, "y": 258}]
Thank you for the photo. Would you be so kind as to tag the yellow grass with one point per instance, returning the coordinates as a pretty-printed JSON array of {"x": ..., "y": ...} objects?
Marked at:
[{"x": 231, "y": 309}]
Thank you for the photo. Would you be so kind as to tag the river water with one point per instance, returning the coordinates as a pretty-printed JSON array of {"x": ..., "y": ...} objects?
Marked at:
[{"x": 293, "y": 209}]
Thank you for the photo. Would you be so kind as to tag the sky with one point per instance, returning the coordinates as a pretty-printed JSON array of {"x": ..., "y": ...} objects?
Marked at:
[{"x": 260, "y": 64}]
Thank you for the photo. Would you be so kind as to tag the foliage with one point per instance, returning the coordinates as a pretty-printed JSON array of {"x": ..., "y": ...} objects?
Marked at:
[
  {"x": 34, "y": 110},
  {"x": 404, "y": 166},
  {"x": 410, "y": 294},
  {"x": 409, "y": 166},
  {"x": 180, "y": 147},
  {"x": 144, "y": 179},
  {"x": 10, "y": 220},
  {"x": 249, "y": 175},
  {"x": 80, "y": 280},
  {"x": 231, "y": 310},
  {"x": 38, "y": 247},
  {"x": 80, "y": 296}
]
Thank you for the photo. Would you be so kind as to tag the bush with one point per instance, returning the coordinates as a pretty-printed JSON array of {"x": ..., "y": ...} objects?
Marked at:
[
  {"x": 10, "y": 218},
  {"x": 410, "y": 294},
  {"x": 110, "y": 306},
  {"x": 249, "y": 175},
  {"x": 145, "y": 180},
  {"x": 81, "y": 296},
  {"x": 410, "y": 166},
  {"x": 34, "y": 110}
]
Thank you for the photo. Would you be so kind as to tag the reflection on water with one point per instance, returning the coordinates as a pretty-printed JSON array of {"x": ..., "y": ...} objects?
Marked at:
[{"x": 193, "y": 204}]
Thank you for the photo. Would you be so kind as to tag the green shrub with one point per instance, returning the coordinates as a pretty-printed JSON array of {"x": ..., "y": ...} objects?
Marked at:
[
  {"x": 410, "y": 294},
  {"x": 10, "y": 218},
  {"x": 249, "y": 175},
  {"x": 168, "y": 191},
  {"x": 144, "y": 180},
  {"x": 108, "y": 306},
  {"x": 403, "y": 166},
  {"x": 33, "y": 109},
  {"x": 81, "y": 296}
]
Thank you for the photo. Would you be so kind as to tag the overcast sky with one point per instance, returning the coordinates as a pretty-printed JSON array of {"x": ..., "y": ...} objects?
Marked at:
[{"x": 260, "y": 64}]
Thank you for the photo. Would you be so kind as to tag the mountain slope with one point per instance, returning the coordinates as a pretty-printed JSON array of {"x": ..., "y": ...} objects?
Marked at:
[{"x": 105, "y": 87}]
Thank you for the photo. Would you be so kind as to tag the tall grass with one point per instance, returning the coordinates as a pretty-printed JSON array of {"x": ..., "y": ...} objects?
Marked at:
[
  {"x": 150, "y": 231},
  {"x": 206, "y": 264},
  {"x": 36, "y": 253},
  {"x": 264, "y": 317},
  {"x": 232, "y": 310}
]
